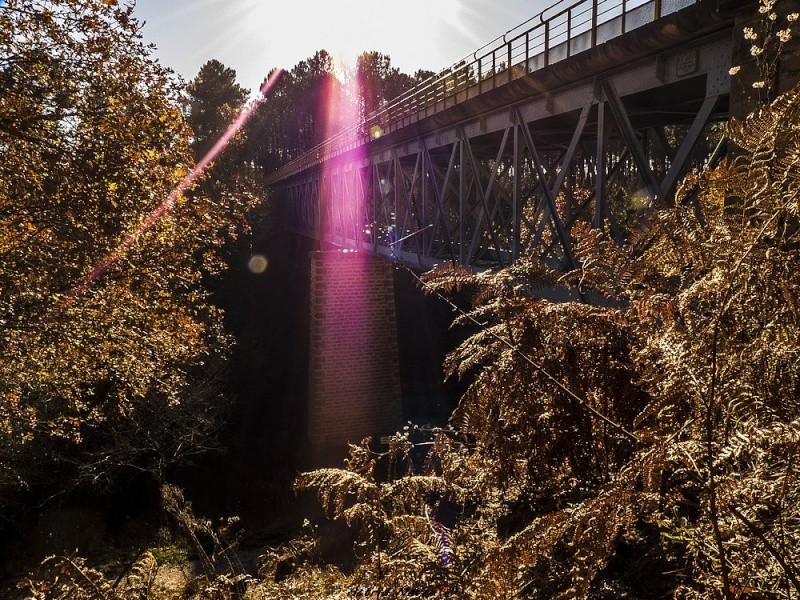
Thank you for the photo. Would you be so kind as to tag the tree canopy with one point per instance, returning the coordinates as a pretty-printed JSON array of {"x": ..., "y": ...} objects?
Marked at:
[
  {"x": 213, "y": 96},
  {"x": 111, "y": 347}
]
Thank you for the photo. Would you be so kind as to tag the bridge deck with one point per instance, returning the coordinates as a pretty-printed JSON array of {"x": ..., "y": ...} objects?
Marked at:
[{"x": 473, "y": 165}]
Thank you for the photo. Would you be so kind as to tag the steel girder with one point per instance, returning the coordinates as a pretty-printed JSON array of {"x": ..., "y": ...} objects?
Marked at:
[{"x": 513, "y": 182}]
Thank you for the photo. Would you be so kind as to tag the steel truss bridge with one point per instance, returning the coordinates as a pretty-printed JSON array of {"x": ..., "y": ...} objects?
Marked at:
[{"x": 588, "y": 113}]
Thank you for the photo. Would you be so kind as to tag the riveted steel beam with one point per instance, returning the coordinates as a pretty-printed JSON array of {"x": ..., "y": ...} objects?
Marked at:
[
  {"x": 629, "y": 135},
  {"x": 563, "y": 238},
  {"x": 679, "y": 161},
  {"x": 485, "y": 194}
]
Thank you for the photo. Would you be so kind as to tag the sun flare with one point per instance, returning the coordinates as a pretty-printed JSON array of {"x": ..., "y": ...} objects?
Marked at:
[{"x": 417, "y": 34}]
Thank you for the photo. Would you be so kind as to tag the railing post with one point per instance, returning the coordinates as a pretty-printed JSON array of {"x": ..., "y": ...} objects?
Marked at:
[
  {"x": 527, "y": 52},
  {"x": 546, "y": 43},
  {"x": 569, "y": 32},
  {"x": 508, "y": 63},
  {"x": 594, "y": 23},
  {"x": 624, "y": 12},
  {"x": 657, "y": 10}
]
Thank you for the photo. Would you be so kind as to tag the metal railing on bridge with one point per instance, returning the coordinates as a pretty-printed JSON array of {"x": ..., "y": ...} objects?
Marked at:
[{"x": 577, "y": 27}]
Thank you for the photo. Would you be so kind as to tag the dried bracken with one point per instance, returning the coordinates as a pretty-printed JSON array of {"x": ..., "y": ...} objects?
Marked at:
[{"x": 635, "y": 439}]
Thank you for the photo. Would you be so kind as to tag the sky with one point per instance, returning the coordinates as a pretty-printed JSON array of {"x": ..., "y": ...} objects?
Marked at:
[{"x": 255, "y": 36}]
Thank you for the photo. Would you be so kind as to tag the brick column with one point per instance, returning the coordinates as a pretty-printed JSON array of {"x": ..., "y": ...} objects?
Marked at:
[{"x": 354, "y": 380}]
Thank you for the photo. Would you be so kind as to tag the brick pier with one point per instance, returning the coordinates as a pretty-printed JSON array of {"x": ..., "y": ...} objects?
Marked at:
[{"x": 354, "y": 380}]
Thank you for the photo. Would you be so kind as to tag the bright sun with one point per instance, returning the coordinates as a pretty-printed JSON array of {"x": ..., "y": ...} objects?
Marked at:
[
  {"x": 345, "y": 28},
  {"x": 254, "y": 36}
]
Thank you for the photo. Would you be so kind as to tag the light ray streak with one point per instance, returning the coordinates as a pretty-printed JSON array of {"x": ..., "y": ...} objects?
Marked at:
[{"x": 110, "y": 259}]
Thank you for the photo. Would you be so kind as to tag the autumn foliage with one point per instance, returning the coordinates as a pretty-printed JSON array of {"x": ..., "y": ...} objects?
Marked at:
[
  {"x": 638, "y": 441},
  {"x": 112, "y": 352},
  {"x": 641, "y": 445}
]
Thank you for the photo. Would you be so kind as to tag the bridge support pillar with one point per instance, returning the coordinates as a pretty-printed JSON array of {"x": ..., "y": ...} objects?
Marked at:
[{"x": 354, "y": 378}]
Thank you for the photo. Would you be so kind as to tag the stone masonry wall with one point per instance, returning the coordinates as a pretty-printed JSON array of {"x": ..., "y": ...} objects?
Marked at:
[{"x": 354, "y": 380}]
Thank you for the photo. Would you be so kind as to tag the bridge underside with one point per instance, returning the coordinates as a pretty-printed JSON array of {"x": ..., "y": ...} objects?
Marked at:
[{"x": 597, "y": 138}]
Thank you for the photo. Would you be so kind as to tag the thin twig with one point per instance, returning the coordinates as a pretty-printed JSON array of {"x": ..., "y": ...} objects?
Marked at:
[{"x": 768, "y": 545}]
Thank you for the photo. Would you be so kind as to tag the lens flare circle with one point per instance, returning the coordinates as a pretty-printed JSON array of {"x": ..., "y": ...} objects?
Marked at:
[
  {"x": 257, "y": 264},
  {"x": 639, "y": 200}
]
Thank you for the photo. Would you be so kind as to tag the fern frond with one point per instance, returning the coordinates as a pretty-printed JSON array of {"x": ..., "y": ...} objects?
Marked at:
[
  {"x": 417, "y": 490},
  {"x": 140, "y": 577},
  {"x": 334, "y": 487}
]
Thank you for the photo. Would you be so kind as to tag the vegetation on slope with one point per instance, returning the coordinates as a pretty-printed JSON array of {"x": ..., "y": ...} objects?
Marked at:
[{"x": 643, "y": 446}]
